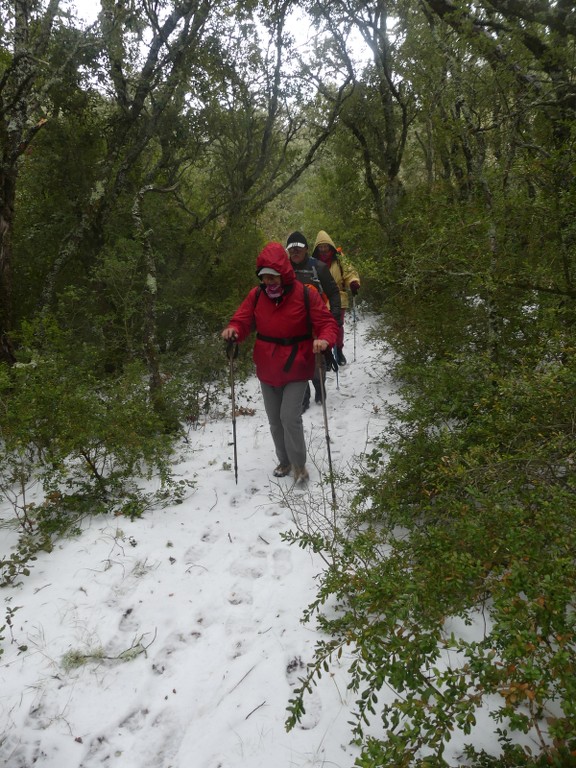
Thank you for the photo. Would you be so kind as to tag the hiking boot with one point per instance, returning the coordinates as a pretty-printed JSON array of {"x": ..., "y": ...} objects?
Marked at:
[
  {"x": 340, "y": 359},
  {"x": 301, "y": 475},
  {"x": 282, "y": 470}
]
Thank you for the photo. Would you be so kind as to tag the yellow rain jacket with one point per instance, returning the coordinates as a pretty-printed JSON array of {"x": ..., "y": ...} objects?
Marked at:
[{"x": 341, "y": 269}]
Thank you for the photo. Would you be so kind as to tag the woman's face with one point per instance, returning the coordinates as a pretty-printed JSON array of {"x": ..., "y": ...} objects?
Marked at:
[{"x": 271, "y": 279}]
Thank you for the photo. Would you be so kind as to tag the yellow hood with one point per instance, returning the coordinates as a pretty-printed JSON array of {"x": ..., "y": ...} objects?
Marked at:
[{"x": 323, "y": 237}]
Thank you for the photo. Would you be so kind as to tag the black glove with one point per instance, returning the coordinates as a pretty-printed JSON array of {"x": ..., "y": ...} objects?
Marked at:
[
  {"x": 354, "y": 287},
  {"x": 330, "y": 360}
]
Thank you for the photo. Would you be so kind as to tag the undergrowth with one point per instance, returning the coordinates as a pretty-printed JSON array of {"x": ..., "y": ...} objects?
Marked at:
[{"x": 450, "y": 576}]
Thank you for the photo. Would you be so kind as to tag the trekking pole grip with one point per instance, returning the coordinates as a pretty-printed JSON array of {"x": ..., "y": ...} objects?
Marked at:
[{"x": 231, "y": 349}]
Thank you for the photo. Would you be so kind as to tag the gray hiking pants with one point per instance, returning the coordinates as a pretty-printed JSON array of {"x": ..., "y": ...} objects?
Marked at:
[{"x": 284, "y": 410}]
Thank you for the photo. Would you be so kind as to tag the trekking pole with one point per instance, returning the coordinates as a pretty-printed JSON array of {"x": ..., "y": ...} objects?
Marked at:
[
  {"x": 335, "y": 366},
  {"x": 232, "y": 353},
  {"x": 323, "y": 393},
  {"x": 354, "y": 323}
]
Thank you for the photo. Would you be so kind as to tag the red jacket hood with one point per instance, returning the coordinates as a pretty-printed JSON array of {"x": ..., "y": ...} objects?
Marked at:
[{"x": 275, "y": 256}]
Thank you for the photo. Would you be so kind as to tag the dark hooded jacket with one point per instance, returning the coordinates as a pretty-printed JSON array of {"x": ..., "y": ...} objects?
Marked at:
[
  {"x": 315, "y": 272},
  {"x": 284, "y": 327}
]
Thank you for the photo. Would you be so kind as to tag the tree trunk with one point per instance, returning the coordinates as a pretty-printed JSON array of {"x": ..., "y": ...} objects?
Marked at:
[
  {"x": 20, "y": 120},
  {"x": 150, "y": 341},
  {"x": 150, "y": 332},
  {"x": 8, "y": 193}
]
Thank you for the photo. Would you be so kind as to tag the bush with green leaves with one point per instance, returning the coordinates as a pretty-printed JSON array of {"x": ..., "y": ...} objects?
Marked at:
[
  {"x": 464, "y": 517},
  {"x": 8, "y": 627},
  {"x": 85, "y": 442},
  {"x": 82, "y": 433},
  {"x": 196, "y": 381}
]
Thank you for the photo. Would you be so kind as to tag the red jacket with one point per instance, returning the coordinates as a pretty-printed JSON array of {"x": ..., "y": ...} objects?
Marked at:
[{"x": 285, "y": 320}]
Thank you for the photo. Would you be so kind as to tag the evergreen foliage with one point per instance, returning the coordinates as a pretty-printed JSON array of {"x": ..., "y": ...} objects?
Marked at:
[
  {"x": 464, "y": 513},
  {"x": 444, "y": 166}
]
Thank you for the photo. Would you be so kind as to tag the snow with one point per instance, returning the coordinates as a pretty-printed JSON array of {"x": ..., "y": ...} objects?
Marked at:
[{"x": 175, "y": 640}]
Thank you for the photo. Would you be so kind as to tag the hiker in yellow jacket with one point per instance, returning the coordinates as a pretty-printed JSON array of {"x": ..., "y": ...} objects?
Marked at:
[{"x": 344, "y": 274}]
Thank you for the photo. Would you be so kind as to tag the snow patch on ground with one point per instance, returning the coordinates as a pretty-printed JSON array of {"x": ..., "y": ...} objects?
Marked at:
[{"x": 176, "y": 641}]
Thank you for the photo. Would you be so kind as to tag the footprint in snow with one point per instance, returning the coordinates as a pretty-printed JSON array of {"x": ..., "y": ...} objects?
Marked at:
[
  {"x": 99, "y": 748},
  {"x": 128, "y": 622},
  {"x": 248, "y": 569},
  {"x": 163, "y": 739},
  {"x": 237, "y": 650},
  {"x": 135, "y": 720},
  {"x": 295, "y": 671},
  {"x": 260, "y": 554},
  {"x": 168, "y": 739},
  {"x": 239, "y": 596},
  {"x": 209, "y": 537},
  {"x": 18, "y": 755},
  {"x": 174, "y": 644},
  {"x": 193, "y": 554},
  {"x": 282, "y": 560}
]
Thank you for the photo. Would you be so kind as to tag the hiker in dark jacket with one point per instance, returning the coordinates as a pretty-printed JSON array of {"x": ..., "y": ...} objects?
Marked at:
[
  {"x": 311, "y": 271},
  {"x": 292, "y": 325}
]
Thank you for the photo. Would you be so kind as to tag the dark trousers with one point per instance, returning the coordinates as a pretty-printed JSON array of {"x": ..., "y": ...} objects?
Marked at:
[
  {"x": 340, "y": 342},
  {"x": 317, "y": 386}
]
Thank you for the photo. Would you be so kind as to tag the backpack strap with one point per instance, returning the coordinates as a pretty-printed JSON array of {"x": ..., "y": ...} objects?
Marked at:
[
  {"x": 307, "y": 306},
  {"x": 310, "y": 276},
  {"x": 288, "y": 341},
  {"x": 259, "y": 290},
  {"x": 313, "y": 262}
]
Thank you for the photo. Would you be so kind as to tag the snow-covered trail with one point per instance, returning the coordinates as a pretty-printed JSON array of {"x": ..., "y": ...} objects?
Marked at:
[{"x": 174, "y": 641}]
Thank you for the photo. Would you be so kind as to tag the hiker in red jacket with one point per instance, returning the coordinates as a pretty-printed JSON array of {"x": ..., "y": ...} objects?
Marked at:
[{"x": 292, "y": 325}]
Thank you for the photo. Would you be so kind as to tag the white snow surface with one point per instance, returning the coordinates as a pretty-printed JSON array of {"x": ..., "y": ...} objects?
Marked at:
[{"x": 176, "y": 640}]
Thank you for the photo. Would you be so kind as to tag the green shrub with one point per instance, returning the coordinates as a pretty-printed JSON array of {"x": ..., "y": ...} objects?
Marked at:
[
  {"x": 84, "y": 439},
  {"x": 464, "y": 516}
]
